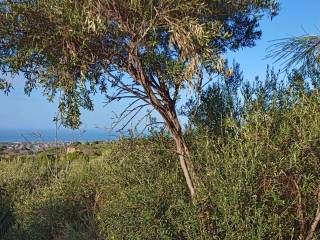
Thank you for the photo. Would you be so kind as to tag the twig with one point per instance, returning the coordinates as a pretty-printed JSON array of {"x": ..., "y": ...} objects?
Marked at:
[
  {"x": 315, "y": 221},
  {"x": 300, "y": 212}
]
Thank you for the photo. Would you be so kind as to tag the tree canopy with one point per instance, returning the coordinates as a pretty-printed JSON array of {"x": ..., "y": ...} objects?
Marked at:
[{"x": 80, "y": 47}]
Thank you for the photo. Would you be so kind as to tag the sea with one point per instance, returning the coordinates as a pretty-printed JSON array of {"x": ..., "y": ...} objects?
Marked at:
[{"x": 50, "y": 135}]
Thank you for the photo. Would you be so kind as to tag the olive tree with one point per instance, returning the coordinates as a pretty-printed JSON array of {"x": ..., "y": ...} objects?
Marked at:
[{"x": 143, "y": 50}]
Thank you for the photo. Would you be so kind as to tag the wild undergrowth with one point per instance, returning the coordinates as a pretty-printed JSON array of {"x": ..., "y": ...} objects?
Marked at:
[{"x": 258, "y": 179}]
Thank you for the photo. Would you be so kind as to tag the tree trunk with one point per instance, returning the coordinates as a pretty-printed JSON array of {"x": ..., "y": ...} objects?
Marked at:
[
  {"x": 182, "y": 149},
  {"x": 167, "y": 110},
  {"x": 185, "y": 163}
]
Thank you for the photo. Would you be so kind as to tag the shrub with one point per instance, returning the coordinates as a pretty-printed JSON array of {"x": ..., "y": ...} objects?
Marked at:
[{"x": 258, "y": 181}]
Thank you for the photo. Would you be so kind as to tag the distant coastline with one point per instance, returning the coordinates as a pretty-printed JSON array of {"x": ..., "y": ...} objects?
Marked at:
[{"x": 16, "y": 135}]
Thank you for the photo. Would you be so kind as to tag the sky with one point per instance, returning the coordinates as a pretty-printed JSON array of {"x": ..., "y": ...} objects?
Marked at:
[{"x": 295, "y": 18}]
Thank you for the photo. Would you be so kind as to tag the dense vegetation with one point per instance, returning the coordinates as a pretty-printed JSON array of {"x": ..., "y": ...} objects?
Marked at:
[
  {"x": 259, "y": 176},
  {"x": 146, "y": 51},
  {"x": 250, "y": 154}
]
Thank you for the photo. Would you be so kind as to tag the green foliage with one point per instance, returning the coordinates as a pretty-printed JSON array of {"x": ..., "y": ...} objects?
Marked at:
[
  {"x": 252, "y": 178},
  {"x": 303, "y": 51},
  {"x": 5, "y": 213},
  {"x": 217, "y": 103},
  {"x": 262, "y": 179},
  {"x": 143, "y": 48},
  {"x": 5, "y": 86},
  {"x": 260, "y": 182},
  {"x": 140, "y": 205},
  {"x": 119, "y": 195}
]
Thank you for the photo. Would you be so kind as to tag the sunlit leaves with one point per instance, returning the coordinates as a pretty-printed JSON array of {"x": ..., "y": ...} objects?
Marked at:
[
  {"x": 301, "y": 51},
  {"x": 72, "y": 47},
  {"x": 5, "y": 86}
]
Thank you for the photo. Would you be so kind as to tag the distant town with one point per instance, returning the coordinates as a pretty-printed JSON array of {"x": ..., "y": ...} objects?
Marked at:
[
  {"x": 26, "y": 148},
  {"x": 21, "y": 148}
]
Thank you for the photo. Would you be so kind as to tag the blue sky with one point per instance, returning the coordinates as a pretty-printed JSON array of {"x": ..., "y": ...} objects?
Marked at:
[{"x": 296, "y": 16}]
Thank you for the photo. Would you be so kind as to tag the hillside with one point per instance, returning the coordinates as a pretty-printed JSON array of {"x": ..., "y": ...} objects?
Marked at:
[{"x": 260, "y": 181}]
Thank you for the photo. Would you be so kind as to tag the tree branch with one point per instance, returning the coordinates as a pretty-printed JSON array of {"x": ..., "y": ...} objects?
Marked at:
[{"x": 315, "y": 221}]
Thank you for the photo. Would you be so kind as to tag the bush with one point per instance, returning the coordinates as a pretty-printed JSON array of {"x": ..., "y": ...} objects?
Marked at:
[
  {"x": 146, "y": 198},
  {"x": 262, "y": 181},
  {"x": 258, "y": 181},
  {"x": 121, "y": 195}
]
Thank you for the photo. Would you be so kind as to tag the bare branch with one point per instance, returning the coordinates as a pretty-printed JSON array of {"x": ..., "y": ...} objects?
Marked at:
[
  {"x": 300, "y": 211},
  {"x": 125, "y": 88},
  {"x": 133, "y": 116},
  {"x": 126, "y": 113},
  {"x": 152, "y": 124},
  {"x": 315, "y": 221},
  {"x": 128, "y": 108}
]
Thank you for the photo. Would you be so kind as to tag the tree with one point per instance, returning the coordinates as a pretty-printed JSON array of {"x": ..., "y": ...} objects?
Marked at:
[
  {"x": 295, "y": 51},
  {"x": 146, "y": 50},
  {"x": 218, "y": 102},
  {"x": 301, "y": 53}
]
